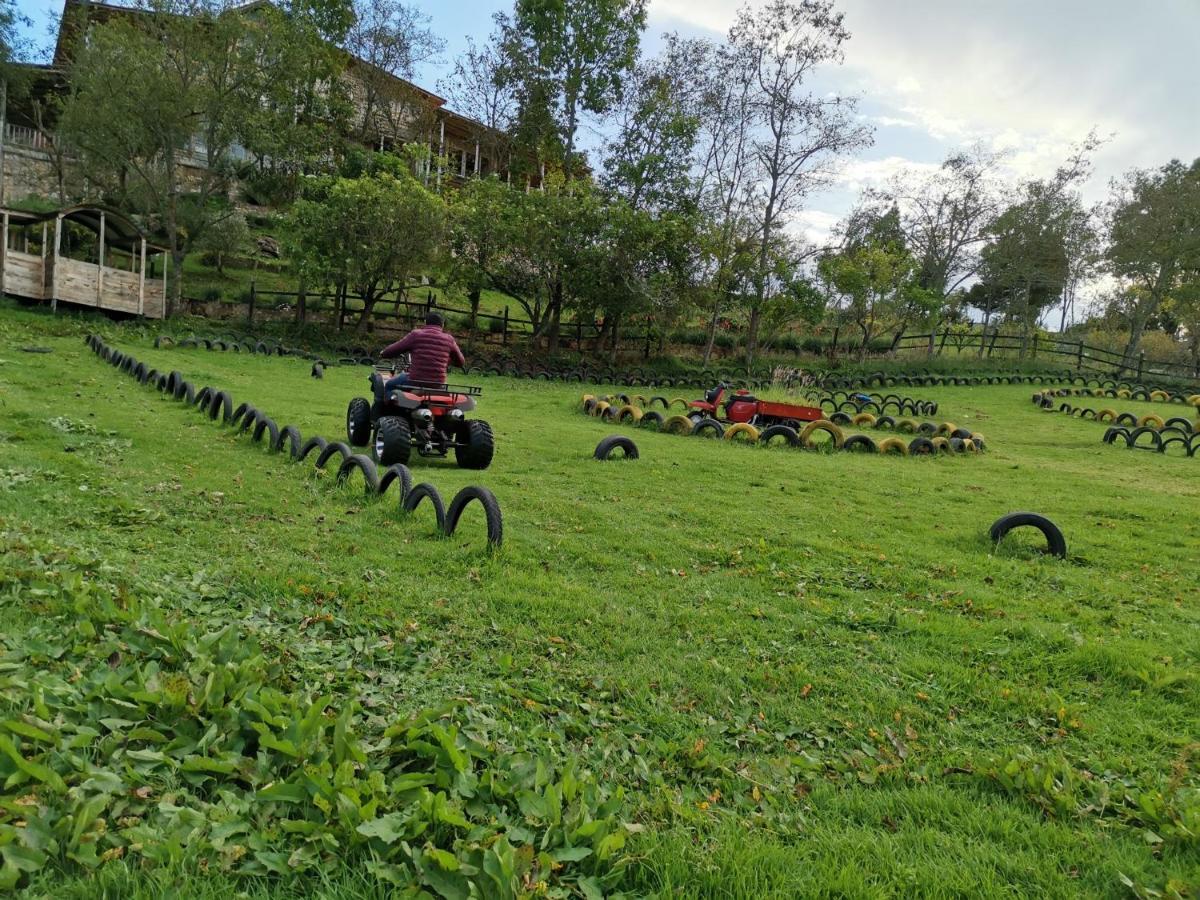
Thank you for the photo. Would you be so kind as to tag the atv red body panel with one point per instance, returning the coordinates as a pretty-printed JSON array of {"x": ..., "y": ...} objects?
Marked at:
[{"x": 741, "y": 406}]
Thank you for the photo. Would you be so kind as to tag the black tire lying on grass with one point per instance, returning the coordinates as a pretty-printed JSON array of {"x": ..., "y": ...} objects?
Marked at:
[
  {"x": 708, "y": 428},
  {"x": 860, "y": 443},
  {"x": 292, "y": 434},
  {"x": 364, "y": 464},
  {"x": 778, "y": 433},
  {"x": 1056, "y": 544},
  {"x": 491, "y": 511},
  {"x": 922, "y": 446},
  {"x": 423, "y": 491},
  {"x": 330, "y": 449},
  {"x": 220, "y": 404},
  {"x": 650, "y": 420},
  {"x": 316, "y": 442},
  {"x": 267, "y": 424},
  {"x": 398, "y": 473},
  {"x": 613, "y": 442},
  {"x": 1155, "y": 438}
]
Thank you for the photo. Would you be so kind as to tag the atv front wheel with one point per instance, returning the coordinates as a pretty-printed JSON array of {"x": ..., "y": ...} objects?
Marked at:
[
  {"x": 358, "y": 422},
  {"x": 393, "y": 441},
  {"x": 476, "y": 445}
]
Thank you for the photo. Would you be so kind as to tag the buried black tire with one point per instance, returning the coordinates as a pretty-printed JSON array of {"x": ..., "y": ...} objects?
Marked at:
[
  {"x": 779, "y": 433},
  {"x": 220, "y": 404},
  {"x": 921, "y": 446},
  {"x": 613, "y": 442},
  {"x": 267, "y": 424},
  {"x": 860, "y": 443},
  {"x": 393, "y": 441},
  {"x": 422, "y": 491},
  {"x": 477, "y": 447},
  {"x": 316, "y": 442},
  {"x": 358, "y": 422},
  {"x": 491, "y": 511},
  {"x": 292, "y": 434},
  {"x": 650, "y": 420},
  {"x": 708, "y": 428},
  {"x": 397, "y": 472},
  {"x": 330, "y": 449},
  {"x": 364, "y": 464},
  {"x": 1056, "y": 544}
]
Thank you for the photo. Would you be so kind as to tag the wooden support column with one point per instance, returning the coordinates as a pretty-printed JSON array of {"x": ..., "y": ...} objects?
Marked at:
[
  {"x": 3, "y": 253},
  {"x": 462, "y": 164},
  {"x": 477, "y": 172},
  {"x": 162, "y": 313},
  {"x": 441, "y": 149},
  {"x": 142, "y": 282},
  {"x": 54, "y": 263},
  {"x": 100, "y": 271}
]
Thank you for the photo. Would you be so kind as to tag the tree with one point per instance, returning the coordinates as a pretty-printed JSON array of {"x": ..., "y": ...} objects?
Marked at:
[
  {"x": 225, "y": 238},
  {"x": 875, "y": 274},
  {"x": 481, "y": 218},
  {"x": 388, "y": 40},
  {"x": 801, "y": 132},
  {"x": 368, "y": 234},
  {"x": 945, "y": 215},
  {"x": 1154, "y": 237},
  {"x": 477, "y": 89},
  {"x": 565, "y": 60}
]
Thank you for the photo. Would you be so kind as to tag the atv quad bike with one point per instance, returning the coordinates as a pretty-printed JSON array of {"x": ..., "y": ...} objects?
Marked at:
[{"x": 428, "y": 417}]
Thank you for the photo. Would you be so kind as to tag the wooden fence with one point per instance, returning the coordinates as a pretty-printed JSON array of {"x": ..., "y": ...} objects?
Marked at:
[{"x": 505, "y": 329}]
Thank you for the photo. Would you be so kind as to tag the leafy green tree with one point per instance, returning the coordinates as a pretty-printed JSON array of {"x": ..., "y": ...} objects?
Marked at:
[
  {"x": 566, "y": 59},
  {"x": 800, "y": 130},
  {"x": 876, "y": 275},
  {"x": 367, "y": 234},
  {"x": 227, "y": 237},
  {"x": 481, "y": 219},
  {"x": 1154, "y": 238}
]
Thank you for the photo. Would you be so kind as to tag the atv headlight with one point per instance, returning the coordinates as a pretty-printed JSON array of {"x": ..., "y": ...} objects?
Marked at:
[
  {"x": 423, "y": 416},
  {"x": 395, "y": 396},
  {"x": 455, "y": 414}
]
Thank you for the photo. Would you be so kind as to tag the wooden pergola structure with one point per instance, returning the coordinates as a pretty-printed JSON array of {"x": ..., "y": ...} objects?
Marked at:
[{"x": 34, "y": 263}]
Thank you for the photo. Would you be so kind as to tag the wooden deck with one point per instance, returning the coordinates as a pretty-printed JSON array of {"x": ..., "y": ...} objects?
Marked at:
[{"x": 52, "y": 277}]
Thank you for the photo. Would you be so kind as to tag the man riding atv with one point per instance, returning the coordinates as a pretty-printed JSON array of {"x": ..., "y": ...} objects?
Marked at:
[{"x": 430, "y": 351}]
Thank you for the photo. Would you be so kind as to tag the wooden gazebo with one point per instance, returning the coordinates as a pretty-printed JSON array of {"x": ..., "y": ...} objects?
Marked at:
[{"x": 85, "y": 255}]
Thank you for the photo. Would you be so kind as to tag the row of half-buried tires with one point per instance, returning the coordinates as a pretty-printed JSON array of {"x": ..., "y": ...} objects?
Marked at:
[
  {"x": 1135, "y": 389},
  {"x": 1177, "y": 424},
  {"x": 1167, "y": 441},
  {"x": 218, "y": 406},
  {"x": 1138, "y": 392},
  {"x": 821, "y": 434},
  {"x": 266, "y": 347},
  {"x": 878, "y": 403}
]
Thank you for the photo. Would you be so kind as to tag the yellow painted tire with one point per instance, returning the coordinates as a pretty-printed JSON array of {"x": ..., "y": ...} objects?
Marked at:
[
  {"x": 1123, "y": 394},
  {"x": 1194, "y": 400},
  {"x": 1106, "y": 415},
  {"x": 1151, "y": 419},
  {"x": 908, "y": 426},
  {"x": 978, "y": 439},
  {"x": 839, "y": 436},
  {"x": 946, "y": 428},
  {"x": 941, "y": 444},
  {"x": 863, "y": 418},
  {"x": 599, "y": 408},
  {"x": 677, "y": 425},
  {"x": 639, "y": 400},
  {"x": 893, "y": 445},
  {"x": 629, "y": 412},
  {"x": 586, "y": 397},
  {"x": 1160, "y": 396},
  {"x": 682, "y": 403},
  {"x": 733, "y": 432},
  {"x": 1097, "y": 392},
  {"x": 969, "y": 446}
]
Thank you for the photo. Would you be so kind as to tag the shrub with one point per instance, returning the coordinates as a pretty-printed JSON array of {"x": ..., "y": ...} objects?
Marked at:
[
  {"x": 211, "y": 295},
  {"x": 496, "y": 326}
]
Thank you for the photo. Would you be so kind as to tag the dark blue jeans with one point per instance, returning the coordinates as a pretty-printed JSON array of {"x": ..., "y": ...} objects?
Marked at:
[{"x": 396, "y": 381}]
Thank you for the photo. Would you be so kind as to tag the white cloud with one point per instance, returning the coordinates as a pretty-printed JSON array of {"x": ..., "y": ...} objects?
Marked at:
[
  {"x": 815, "y": 226},
  {"x": 858, "y": 174}
]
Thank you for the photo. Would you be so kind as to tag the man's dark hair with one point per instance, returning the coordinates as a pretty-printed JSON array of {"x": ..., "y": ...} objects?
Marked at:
[{"x": 434, "y": 319}]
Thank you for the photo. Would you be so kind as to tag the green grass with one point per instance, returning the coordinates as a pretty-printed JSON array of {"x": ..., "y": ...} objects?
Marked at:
[{"x": 811, "y": 673}]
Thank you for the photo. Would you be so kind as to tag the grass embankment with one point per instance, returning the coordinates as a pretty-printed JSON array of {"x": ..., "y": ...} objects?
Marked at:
[{"x": 810, "y": 672}]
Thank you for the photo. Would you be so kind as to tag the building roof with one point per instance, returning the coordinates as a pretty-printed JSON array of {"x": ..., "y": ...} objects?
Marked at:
[{"x": 119, "y": 230}]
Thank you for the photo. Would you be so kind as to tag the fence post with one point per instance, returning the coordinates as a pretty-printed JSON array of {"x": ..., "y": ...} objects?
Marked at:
[
  {"x": 932, "y": 334},
  {"x": 504, "y": 336},
  {"x": 1035, "y": 343},
  {"x": 1141, "y": 363},
  {"x": 942, "y": 345},
  {"x": 1079, "y": 356},
  {"x": 579, "y": 335},
  {"x": 250, "y": 307},
  {"x": 646, "y": 352},
  {"x": 833, "y": 347}
]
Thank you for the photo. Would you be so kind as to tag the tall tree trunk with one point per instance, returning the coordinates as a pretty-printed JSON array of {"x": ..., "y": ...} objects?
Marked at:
[
  {"x": 752, "y": 335},
  {"x": 360, "y": 326},
  {"x": 176, "y": 287},
  {"x": 473, "y": 297},
  {"x": 615, "y": 340},
  {"x": 712, "y": 332}
]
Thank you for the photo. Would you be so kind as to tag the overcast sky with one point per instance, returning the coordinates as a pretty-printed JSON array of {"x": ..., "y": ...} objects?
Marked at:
[{"x": 1028, "y": 76}]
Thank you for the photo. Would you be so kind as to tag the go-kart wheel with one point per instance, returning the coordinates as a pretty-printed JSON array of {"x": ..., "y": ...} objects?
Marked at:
[
  {"x": 393, "y": 441},
  {"x": 358, "y": 422},
  {"x": 476, "y": 445}
]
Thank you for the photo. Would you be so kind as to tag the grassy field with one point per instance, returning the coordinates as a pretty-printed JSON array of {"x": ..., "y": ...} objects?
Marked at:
[{"x": 785, "y": 673}]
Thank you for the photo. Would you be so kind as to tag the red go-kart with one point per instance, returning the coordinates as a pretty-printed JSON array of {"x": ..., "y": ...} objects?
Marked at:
[
  {"x": 432, "y": 418},
  {"x": 742, "y": 406}
]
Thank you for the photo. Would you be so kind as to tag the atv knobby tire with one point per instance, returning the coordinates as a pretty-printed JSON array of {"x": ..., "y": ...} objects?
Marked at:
[
  {"x": 478, "y": 445},
  {"x": 393, "y": 441}
]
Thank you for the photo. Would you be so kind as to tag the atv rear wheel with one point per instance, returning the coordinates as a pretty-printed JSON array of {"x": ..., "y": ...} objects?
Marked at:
[
  {"x": 393, "y": 441},
  {"x": 358, "y": 422},
  {"x": 476, "y": 445}
]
